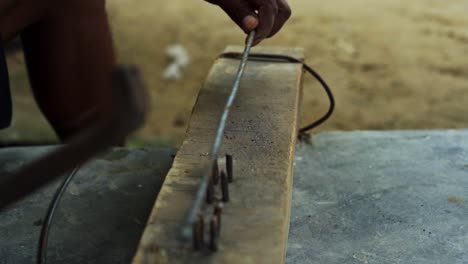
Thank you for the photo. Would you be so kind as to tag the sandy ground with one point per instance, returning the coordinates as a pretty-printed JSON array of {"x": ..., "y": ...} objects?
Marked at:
[{"x": 392, "y": 64}]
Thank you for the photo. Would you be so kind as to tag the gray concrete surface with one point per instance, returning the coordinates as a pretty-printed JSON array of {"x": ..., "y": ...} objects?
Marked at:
[
  {"x": 381, "y": 197},
  {"x": 359, "y": 197},
  {"x": 101, "y": 217}
]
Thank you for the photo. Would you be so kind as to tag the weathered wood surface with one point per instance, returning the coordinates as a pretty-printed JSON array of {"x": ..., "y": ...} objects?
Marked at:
[{"x": 261, "y": 136}]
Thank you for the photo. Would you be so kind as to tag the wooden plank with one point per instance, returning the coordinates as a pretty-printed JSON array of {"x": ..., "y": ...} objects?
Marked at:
[{"x": 261, "y": 135}]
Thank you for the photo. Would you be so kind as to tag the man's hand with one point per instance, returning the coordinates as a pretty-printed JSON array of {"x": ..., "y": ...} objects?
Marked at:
[{"x": 267, "y": 16}]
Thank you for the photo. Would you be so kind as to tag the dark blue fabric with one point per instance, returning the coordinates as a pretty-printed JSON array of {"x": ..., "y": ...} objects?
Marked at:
[{"x": 5, "y": 96}]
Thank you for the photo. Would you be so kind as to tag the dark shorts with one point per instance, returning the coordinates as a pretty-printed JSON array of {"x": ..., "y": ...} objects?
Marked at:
[{"x": 5, "y": 97}]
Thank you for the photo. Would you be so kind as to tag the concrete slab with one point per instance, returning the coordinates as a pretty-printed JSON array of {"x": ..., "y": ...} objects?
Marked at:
[
  {"x": 381, "y": 197},
  {"x": 359, "y": 197},
  {"x": 101, "y": 217}
]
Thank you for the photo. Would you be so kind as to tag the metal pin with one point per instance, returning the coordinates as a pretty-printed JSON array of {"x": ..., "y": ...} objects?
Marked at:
[
  {"x": 218, "y": 210},
  {"x": 198, "y": 233},
  {"x": 214, "y": 234},
  {"x": 210, "y": 192},
  {"x": 224, "y": 187},
  {"x": 229, "y": 169},
  {"x": 215, "y": 172}
]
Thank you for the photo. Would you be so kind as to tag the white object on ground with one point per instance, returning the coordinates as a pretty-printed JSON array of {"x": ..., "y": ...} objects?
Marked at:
[{"x": 179, "y": 60}]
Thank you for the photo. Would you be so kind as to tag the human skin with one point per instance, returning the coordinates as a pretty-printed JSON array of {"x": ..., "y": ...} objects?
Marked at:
[
  {"x": 266, "y": 16},
  {"x": 69, "y": 55}
]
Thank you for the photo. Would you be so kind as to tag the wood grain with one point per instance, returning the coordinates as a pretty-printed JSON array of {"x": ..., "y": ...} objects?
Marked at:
[{"x": 261, "y": 135}]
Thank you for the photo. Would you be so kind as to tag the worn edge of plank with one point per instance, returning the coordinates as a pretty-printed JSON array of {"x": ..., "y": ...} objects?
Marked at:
[{"x": 158, "y": 254}]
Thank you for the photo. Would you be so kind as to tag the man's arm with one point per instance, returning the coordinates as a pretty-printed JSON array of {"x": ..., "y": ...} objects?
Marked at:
[{"x": 267, "y": 16}]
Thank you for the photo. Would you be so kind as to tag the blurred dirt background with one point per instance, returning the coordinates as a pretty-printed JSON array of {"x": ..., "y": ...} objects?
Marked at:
[{"x": 392, "y": 64}]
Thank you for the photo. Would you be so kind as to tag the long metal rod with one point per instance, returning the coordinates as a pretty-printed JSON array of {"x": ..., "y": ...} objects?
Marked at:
[
  {"x": 232, "y": 96},
  {"x": 201, "y": 192}
]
